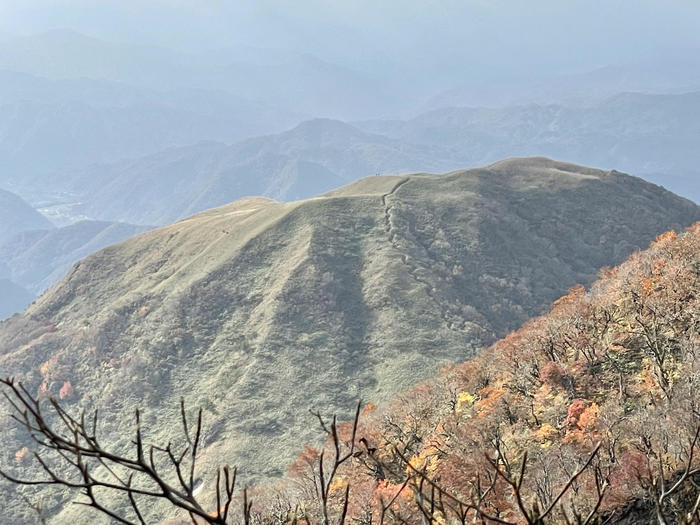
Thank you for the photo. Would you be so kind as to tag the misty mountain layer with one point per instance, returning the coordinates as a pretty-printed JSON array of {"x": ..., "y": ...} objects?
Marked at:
[
  {"x": 655, "y": 136},
  {"x": 38, "y": 259},
  {"x": 13, "y": 298},
  {"x": 34, "y": 255},
  {"x": 17, "y": 216},
  {"x": 314, "y": 157}
]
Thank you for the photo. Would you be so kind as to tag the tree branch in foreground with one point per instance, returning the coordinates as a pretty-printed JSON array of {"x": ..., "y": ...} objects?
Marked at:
[{"x": 73, "y": 444}]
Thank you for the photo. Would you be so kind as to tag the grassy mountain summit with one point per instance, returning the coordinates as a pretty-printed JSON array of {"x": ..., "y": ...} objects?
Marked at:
[{"x": 259, "y": 310}]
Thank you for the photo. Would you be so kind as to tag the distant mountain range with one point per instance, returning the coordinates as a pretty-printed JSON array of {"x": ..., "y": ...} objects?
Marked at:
[
  {"x": 69, "y": 101},
  {"x": 314, "y": 157},
  {"x": 652, "y": 136},
  {"x": 294, "y": 82},
  {"x": 17, "y": 216},
  {"x": 306, "y": 84},
  {"x": 39, "y": 140},
  {"x": 52, "y": 126},
  {"x": 38, "y": 259},
  {"x": 35, "y": 255},
  {"x": 259, "y": 310},
  {"x": 577, "y": 89}
]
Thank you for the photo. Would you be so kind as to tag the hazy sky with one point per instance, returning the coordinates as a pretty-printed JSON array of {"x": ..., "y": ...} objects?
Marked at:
[{"x": 492, "y": 35}]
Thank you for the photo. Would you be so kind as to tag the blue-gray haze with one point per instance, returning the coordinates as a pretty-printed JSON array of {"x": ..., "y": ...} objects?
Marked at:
[
  {"x": 99, "y": 98},
  {"x": 410, "y": 50}
]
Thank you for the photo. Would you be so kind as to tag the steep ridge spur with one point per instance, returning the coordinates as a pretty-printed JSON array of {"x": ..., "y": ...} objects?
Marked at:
[
  {"x": 393, "y": 232},
  {"x": 259, "y": 310}
]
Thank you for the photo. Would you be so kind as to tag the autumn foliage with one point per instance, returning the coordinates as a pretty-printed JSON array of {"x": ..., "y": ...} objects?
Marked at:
[
  {"x": 66, "y": 391},
  {"x": 588, "y": 413}
]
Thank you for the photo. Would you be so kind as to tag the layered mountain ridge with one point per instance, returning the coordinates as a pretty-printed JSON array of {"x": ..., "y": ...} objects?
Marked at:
[
  {"x": 313, "y": 157},
  {"x": 17, "y": 216},
  {"x": 651, "y": 136},
  {"x": 39, "y": 258}
]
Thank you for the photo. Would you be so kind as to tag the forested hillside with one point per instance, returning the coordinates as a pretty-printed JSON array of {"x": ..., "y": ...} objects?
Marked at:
[{"x": 587, "y": 414}]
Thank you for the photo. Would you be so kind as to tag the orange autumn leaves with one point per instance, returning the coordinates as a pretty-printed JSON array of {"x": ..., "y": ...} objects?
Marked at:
[
  {"x": 581, "y": 420},
  {"x": 617, "y": 365}
]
